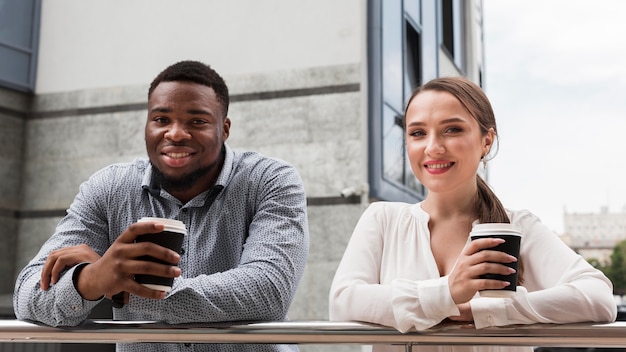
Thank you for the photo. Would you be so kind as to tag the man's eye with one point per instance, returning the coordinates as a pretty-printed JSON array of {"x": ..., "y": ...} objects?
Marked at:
[
  {"x": 160, "y": 119},
  {"x": 198, "y": 122}
]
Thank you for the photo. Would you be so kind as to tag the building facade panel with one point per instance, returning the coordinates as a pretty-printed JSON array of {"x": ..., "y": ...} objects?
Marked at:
[{"x": 81, "y": 49}]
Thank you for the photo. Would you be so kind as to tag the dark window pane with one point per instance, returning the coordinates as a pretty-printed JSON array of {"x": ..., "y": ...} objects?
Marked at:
[
  {"x": 16, "y": 21},
  {"x": 19, "y": 33},
  {"x": 393, "y": 147},
  {"x": 413, "y": 71},
  {"x": 447, "y": 19},
  {"x": 15, "y": 66}
]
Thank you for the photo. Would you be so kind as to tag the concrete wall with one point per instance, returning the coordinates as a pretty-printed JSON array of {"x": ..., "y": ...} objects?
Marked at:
[
  {"x": 112, "y": 43},
  {"x": 13, "y": 108}
]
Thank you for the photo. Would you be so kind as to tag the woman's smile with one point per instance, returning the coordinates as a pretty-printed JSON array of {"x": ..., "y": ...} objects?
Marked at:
[{"x": 438, "y": 167}]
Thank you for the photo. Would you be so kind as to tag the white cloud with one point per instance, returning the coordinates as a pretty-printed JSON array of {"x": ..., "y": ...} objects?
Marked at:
[
  {"x": 559, "y": 41},
  {"x": 556, "y": 73}
]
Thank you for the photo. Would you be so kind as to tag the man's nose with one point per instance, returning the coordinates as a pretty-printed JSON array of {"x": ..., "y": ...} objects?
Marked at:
[{"x": 177, "y": 132}]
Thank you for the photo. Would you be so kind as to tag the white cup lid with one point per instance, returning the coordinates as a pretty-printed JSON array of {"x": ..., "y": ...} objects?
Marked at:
[
  {"x": 170, "y": 224},
  {"x": 495, "y": 228}
]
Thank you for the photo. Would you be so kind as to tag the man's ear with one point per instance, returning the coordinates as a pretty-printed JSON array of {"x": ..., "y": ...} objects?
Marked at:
[{"x": 226, "y": 128}]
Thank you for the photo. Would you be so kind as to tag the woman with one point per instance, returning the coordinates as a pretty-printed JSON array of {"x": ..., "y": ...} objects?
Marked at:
[{"x": 413, "y": 266}]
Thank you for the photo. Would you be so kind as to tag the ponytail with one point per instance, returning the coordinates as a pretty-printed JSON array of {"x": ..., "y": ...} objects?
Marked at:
[
  {"x": 489, "y": 209},
  {"x": 488, "y": 206}
]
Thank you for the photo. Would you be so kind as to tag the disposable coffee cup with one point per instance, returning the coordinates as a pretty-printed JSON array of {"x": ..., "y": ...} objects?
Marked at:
[
  {"x": 512, "y": 237},
  {"x": 171, "y": 237}
]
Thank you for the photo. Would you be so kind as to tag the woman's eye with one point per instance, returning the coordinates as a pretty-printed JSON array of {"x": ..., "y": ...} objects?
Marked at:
[
  {"x": 454, "y": 129},
  {"x": 418, "y": 133}
]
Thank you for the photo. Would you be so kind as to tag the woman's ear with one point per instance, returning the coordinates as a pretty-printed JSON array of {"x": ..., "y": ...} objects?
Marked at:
[{"x": 488, "y": 140}]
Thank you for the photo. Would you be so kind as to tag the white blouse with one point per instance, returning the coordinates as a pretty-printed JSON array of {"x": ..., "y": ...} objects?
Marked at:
[{"x": 388, "y": 276}]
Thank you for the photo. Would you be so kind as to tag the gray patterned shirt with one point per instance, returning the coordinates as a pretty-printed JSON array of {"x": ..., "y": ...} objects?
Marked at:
[{"x": 242, "y": 259}]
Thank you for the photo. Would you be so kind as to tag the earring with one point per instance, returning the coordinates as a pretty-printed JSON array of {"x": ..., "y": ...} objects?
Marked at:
[{"x": 482, "y": 158}]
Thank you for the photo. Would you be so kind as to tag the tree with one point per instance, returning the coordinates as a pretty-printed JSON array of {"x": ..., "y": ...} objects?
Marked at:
[{"x": 616, "y": 270}]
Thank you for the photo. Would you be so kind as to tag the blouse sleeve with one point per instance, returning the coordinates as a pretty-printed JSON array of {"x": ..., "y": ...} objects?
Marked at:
[
  {"x": 357, "y": 293},
  {"x": 559, "y": 285}
]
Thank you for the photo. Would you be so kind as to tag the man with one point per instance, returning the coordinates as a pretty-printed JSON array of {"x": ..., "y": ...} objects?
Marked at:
[{"x": 247, "y": 239}]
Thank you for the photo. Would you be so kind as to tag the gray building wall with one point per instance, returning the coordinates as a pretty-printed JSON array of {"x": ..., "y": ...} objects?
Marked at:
[{"x": 13, "y": 109}]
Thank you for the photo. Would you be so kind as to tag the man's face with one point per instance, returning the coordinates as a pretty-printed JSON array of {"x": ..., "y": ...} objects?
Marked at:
[{"x": 185, "y": 131}]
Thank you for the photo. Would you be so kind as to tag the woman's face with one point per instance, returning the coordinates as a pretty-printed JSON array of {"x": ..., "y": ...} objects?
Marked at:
[{"x": 444, "y": 142}]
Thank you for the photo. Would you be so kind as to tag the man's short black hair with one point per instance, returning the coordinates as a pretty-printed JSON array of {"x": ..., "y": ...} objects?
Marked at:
[{"x": 196, "y": 72}]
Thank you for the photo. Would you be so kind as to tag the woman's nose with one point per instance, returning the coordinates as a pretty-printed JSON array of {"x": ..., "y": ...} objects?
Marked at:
[{"x": 434, "y": 146}]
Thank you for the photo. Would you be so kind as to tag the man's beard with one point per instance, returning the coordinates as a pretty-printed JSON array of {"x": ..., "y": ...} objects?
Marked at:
[{"x": 182, "y": 183}]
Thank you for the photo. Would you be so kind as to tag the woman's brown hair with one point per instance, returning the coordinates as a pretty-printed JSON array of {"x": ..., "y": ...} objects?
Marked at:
[{"x": 488, "y": 207}]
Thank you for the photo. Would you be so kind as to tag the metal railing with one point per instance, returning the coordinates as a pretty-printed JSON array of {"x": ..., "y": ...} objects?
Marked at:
[{"x": 317, "y": 332}]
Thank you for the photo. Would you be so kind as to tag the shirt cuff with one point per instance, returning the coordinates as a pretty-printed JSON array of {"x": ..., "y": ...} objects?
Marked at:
[
  {"x": 422, "y": 304},
  {"x": 77, "y": 269},
  {"x": 489, "y": 311}
]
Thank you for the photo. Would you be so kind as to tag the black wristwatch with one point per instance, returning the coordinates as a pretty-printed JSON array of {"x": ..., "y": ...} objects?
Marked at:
[{"x": 118, "y": 300}]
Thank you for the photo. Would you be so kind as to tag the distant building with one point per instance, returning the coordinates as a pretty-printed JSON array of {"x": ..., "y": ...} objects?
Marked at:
[{"x": 594, "y": 235}]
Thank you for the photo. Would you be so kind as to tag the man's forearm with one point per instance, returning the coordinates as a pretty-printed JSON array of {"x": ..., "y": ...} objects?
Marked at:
[{"x": 59, "y": 305}]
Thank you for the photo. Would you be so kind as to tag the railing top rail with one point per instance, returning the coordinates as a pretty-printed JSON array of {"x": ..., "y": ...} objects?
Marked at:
[{"x": 317, "y": 332}]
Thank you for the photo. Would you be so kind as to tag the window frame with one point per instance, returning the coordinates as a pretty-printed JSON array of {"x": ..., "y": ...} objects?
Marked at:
[
  {"x": 31, "y": 52},
  {"x": 452, "y": 25},
  {"x": 382, "y": 188}
]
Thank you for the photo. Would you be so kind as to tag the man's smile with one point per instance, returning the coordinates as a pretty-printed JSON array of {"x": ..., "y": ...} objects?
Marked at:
[{"x": 177, "y": 155}]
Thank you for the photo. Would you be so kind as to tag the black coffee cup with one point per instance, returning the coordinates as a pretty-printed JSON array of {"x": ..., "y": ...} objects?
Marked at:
[
  {"x": 171, "y": 237},
  {"x": 512, "y": 237}
]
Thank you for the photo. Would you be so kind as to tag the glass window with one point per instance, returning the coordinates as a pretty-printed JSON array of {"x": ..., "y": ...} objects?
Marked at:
[
  {"x": 393, "y": 146},
  {"x": 452, "y": 30},
  {"x": 402, "y": 53},
  {"x": 447, "y": 26},
  {"x": 19, "y": 39}
]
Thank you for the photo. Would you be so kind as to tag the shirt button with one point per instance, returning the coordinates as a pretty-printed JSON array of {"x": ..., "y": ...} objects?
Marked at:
[
  {"x": 187, "y": 345},
  {"x": 184, "y": 210}
]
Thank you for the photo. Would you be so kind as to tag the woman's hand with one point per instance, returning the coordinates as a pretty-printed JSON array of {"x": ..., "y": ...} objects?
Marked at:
[
  {"x": 475, "y": 260},
  {"x": 465, "y": 313}
]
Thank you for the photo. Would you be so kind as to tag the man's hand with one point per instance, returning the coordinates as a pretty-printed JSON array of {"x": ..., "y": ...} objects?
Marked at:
[
  {"x": 115, "y": 271},
  {"x": 63, "y": 258}
]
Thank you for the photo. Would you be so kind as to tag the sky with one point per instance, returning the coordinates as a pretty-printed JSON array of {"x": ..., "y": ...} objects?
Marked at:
[{"x": 555, "y": 72}]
